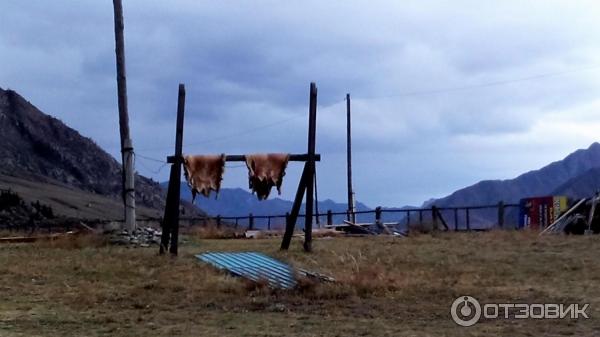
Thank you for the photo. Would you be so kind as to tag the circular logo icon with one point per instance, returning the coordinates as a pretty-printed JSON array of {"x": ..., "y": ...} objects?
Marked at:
[{"x": 465, "y": 311}]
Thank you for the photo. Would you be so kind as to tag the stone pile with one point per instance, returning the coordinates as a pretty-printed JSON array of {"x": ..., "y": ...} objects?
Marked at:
[{"x": 140, "y": 237}]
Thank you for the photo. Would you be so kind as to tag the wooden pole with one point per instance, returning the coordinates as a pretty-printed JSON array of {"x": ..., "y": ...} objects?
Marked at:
[
  {"x": 468, "y": 216},
  {"x": 441, "y": 218},
  {"x": 306, "y": 184},
  {"x": 310, "y": 183},
  {"x": 456, "y": 219},
  {"x": 318, "y": 219},
  {"x": 501, "y": 214},
  {"x": 242, "y": 158},
  {"x": 126, "y": 143},
  {"x": 290, "y": 222},
  {"x": 434, "y": 217},
  {"x": 351, "y": 202},
  {"x": 170, "y": 231}
]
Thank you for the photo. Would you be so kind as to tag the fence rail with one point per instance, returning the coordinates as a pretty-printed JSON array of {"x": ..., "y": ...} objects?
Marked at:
[
  {"x": 450, "y": 218},
  {"x": 433, "y": 214}
]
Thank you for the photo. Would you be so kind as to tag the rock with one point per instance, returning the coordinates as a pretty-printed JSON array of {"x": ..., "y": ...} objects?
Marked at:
[{"x": 140, "y": 237}]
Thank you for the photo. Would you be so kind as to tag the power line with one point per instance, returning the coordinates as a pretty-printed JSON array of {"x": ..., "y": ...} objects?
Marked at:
[
  {"x": 233, "y": 135},
  {"x": 247, "y": 131},
  {"x": 165, "y": 163},
  {"x": 480, "y": 85},
  {"x": 406, "y": 94},
  {"x": 150, "y": 158},
  {"x": 157, "y": 171}
]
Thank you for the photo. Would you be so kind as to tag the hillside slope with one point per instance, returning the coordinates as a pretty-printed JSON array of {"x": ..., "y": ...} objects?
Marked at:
[
  {"x": 44, "y": 159},
  {"x": 545, "y": 181},
  {"x": 39, "y": 147},
  {"x": 582, "y": 186}
]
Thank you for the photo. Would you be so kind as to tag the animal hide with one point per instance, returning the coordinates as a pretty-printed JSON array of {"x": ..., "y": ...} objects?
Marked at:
[
  {"x": 266, "y": 171},
  {"x": 204, "y": 173}
]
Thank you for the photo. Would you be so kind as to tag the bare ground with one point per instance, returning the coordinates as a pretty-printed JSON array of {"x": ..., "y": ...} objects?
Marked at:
[{"x": 387, "y": 287}]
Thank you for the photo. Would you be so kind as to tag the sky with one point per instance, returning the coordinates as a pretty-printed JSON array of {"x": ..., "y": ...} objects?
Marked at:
[{"x": 444, "y": 93}]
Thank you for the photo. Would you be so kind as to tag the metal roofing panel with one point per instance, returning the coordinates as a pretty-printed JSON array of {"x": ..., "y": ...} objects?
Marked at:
[{"x": 253, "y": 266}]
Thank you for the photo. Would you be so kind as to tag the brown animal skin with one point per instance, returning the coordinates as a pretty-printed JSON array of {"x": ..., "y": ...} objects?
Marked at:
[
  {"x": 204, "y": 173},
  {"x": 266, "y": 171}
]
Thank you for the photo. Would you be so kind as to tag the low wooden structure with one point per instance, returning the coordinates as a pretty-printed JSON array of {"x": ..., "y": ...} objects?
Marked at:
[{"x": 170, "y": 225}]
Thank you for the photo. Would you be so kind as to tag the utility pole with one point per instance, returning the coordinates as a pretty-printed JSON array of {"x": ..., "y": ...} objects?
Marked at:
[
  {"x": 351, "y": 205},
  {"x": 126, "y": 143}
]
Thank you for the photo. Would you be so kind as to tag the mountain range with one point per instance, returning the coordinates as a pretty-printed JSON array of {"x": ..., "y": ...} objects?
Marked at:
[
  {"x": 575, "y": 176},
  {"x": 239, "y": 202},
  {"x": 44, "y": 160}
]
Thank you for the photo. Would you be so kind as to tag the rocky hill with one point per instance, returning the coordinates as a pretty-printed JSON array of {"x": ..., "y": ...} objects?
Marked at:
[
  {"x": 37, "y": 149},
  {"x": 582, "y": 186}
]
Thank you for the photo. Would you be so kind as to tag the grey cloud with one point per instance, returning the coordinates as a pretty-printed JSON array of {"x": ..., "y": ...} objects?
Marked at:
[{"x": 248, "y": 64}]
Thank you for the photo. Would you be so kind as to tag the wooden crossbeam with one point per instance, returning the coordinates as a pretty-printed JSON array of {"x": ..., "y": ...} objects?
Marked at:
[{"x": 241, "y": 157}]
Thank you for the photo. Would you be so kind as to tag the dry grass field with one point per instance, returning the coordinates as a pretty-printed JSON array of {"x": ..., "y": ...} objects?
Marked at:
[{"x": 386, "y": 287}]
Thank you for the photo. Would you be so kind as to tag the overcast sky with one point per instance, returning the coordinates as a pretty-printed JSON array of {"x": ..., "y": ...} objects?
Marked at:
[{"x": 444, "y": 93}]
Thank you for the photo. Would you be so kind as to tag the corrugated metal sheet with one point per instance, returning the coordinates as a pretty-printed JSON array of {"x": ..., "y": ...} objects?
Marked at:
[{"x": 253, "y": 266}]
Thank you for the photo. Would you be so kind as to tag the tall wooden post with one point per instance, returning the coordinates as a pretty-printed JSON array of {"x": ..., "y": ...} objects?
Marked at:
[
  {"x": 351, "y": 202},
  {"x": 306, "y": 184},
  {"x": 126, "y": 143},
  {"x": 310, "y": 183},
  {"x": 170, "y": 231}
]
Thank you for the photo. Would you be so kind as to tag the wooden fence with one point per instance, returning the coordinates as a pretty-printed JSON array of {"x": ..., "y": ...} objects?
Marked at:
[
  {"x": 461, "y": 218},
  {"x": 448, "y": 218}
]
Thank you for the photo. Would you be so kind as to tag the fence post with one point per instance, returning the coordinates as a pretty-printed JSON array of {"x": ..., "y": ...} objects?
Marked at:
[
  {"x": 218, "y": 221},
  {"x": 251, "y": 222},
  {"x": 329, "y": 218},
  {"x": 501, "y": 214},
  {"x": 468, "y": 219},
  {"x": 456, "y": 219},
  {"x": 269, "y": 222},
  {"x": 378, "y": 215},
  {"x": 434, "y": 217},
  {"x": 407, "y": 219},
  {"x": 420, "y": 218},
  {"x": 236, "y": 222}
]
